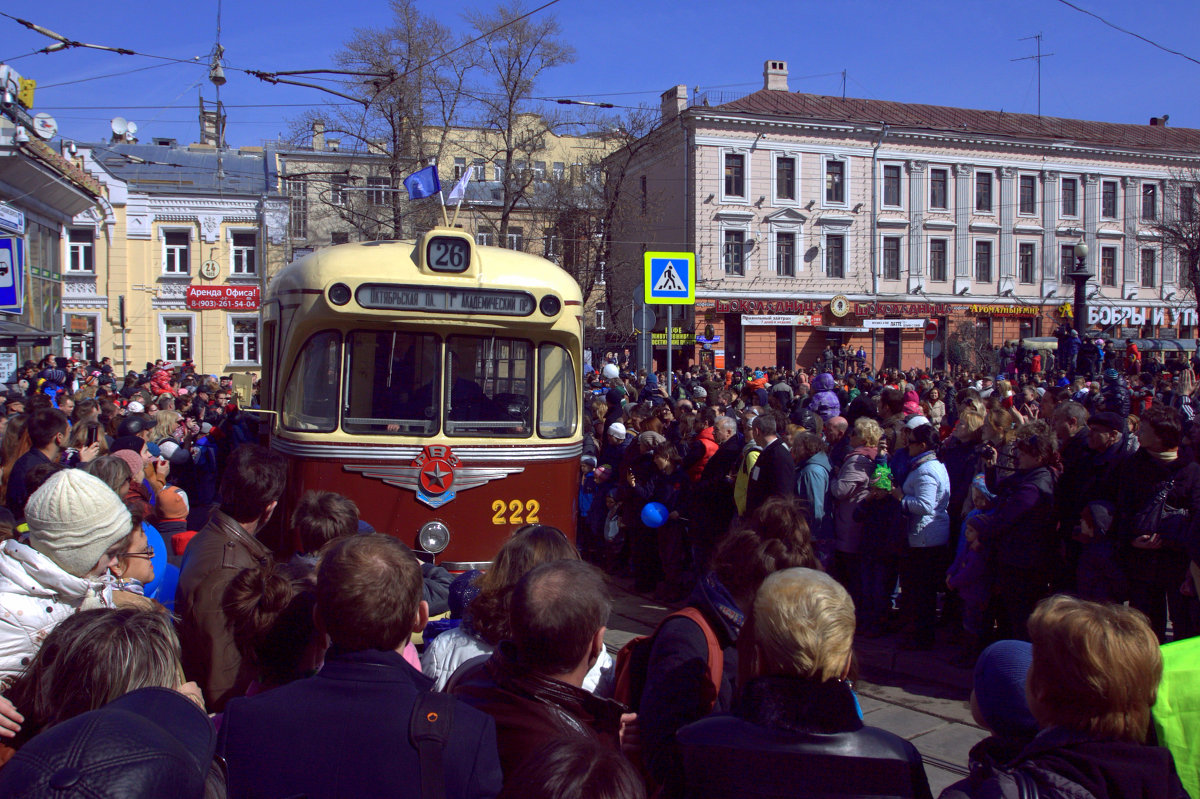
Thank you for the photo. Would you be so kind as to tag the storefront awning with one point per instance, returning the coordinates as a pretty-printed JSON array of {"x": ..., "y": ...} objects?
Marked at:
[
  {"x": 15, "y": 334},
  {"x": 1040, "y": 343},
  {"x": 1165, "y": 344}
]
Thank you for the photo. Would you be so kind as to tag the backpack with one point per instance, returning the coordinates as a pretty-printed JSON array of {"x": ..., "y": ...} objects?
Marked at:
[
  {"x": 428, "y": 730},
  {"x": 633, "y": 661}
]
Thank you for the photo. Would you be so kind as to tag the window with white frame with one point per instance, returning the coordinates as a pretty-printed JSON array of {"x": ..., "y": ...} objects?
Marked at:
[
  {"x": 891, "y": 257},
  {"x": 1026, "y": 262},
  {"x": 1108, "y": 199},
  {"x": 599, "y": 319},
  {"x": 559, "y": 170},
  {"x": 539, "y": 170},
  {"x": 1066, "y": 260},
  {"x": 460, "y": 166},
  {"x": 485, "y": 238},
  {"x": 1108, "y": 266},
  {"x": 983, "y": 191},
  {"x": 785, "y": 178},
  {"x": 498, "y": 171},
  {"x": 785, "y": 254},
  {"x": 176, "y": 252},
  {"x": 515, "y": 239},
  {"x": 938, "y": 260},
  {"x": 243, "y": 340},
  {"x": 1149, "y": 201},
  {"x": 734, "y": 169},
  {"x": 733, "y": 244},
  {"x": 244, "y": 252},
  {"x": 377, "y": 190},
  {"x": 478, "y": 169},
  {"x": 983, "y": 261},
  {"x": 176, "y": 338},
  {"x": 939, "y": 189},
  {"x": 297, "y": 191},
  {"x": 892, "y": 176},
  {"x": 81, "y": 242},
  {"x": 1027, "y": 195},
  {"x": 835, "y": 255},
  {"x": 337, "y": 189},
  {"x": 1069, "y": 196},
  {"x": 835, "y": 181},
  {"x": 1148, "y": 264}
]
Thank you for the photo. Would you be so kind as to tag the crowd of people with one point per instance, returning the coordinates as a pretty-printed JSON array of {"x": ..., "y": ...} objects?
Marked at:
[{"x": 782, "y": 512}]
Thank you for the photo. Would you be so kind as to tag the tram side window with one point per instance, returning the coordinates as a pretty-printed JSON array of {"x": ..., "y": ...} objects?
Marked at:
[
  {"x": 489, "y": 386},
  {"x": 309, "y": 404},
  {"x": 391, "y": 383},
  {"x": 558, "y": 413}
]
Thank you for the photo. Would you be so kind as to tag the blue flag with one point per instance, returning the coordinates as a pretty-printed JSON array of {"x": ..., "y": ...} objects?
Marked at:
[{"x": 423, "y": 183}]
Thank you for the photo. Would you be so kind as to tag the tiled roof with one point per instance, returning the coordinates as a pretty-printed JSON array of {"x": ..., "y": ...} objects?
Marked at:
[
  {"x": 944, "y": 119},
  {"x": 180, "y": 170}
]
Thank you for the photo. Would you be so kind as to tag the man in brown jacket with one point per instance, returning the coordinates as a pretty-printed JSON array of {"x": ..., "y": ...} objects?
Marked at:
[
  {"x": 532, "y": 686},
  {"x": 249, "y": 490}
]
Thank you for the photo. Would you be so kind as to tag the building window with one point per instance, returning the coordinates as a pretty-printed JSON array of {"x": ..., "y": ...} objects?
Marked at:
[
  {"x": 785, "y": 254},
  {"x": 337, "y": 189},
  {"x": 559, "y": 170},
  {"x": 539, "y": 170},
  {"x": 478, "y": 169},
  {"x": 645, "y": 194},
  {"x": 177, "y": 338},
  {"x": 82, "y": 243},
  {"x": 1066, "y": 260},
  {"x": 835, "y": 256},
  {"x": 891, "y": 185},
  {"x": 176, "y": 256},
  {"x": 599, "y": 319},
  {"x": 485, "y": 238},
  {"x": 1108, "y": 266},
  {"x": 297, "y": 190},
  {"x": 983, "y": 192},
  {"x": 1027, "y": 199},
  {"x": 983, "y": 262},
  {"x": 550, "y": 239},
  {"x": 1149, "y": 201},
  {"x": 377, "y": 190},
  {"x": 1148, "y": 268},
  {"x": 937, "y": 260},
  {"x": 1108, "y": 199},
  {"x": 521, "y": 169},
  {"x": 243, "y": 340},
  {"x": 891, "y": 257},
  {"x": 1026, "y": 262},
  {"x": 515, "y": 239},
  {"x": 785, "y": 178},
  {"x": 735, "y": 175},
  {"x": 835, "y": 181},
  {"x": 245, "y": 254},
  {"x": 1070, "y": 197},
  {"x": 1187, "y": 204},
  {"x": 939, "y": 189},
  {"x": 339, "y": 237},
  {"x": 460, "y": 166},
  {"x": 498, "y": 171},
  {"x": 735, "y": 252}
]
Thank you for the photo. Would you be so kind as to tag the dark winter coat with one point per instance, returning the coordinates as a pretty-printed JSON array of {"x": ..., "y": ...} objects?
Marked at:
[
  {"x": 791, "y": 737},
  {"x": 773, "y": 475},
  {"x": 1021, "y": 526}
]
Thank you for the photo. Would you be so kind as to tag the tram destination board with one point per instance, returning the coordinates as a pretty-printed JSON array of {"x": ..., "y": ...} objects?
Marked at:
[{"x": 393, "y": 297}]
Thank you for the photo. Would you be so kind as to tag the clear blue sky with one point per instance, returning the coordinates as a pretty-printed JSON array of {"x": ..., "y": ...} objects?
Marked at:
[{"x": 947, "y": 52}]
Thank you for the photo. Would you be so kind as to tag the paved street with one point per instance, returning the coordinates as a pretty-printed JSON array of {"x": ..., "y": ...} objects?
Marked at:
[{"x": 913, "y": 694}]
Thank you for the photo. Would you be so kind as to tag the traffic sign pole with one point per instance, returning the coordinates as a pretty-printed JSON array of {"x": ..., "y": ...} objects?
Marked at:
[{"x": 670, "y": 374}]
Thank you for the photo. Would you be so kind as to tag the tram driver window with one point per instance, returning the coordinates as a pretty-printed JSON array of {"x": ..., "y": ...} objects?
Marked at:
[
  {"x": 488, "y": 386},
  {"x": 308, "y": 404},
  {"x": 557, "y": 409},
  {"x": 391, "y": 383}
]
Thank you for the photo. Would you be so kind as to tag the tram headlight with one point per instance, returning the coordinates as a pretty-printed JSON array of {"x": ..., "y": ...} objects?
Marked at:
[
  {"x": 550, "y": 305},
  {"x": 339, "y": 294},
  {"x": 433, "y": 537}
]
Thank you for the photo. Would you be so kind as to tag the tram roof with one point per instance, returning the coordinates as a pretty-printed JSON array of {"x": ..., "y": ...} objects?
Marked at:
[{"x": 396, "y": 262}]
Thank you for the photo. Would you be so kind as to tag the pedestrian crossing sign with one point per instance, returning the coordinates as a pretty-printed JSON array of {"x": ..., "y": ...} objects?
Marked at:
[{"x": 670, "y": 278}]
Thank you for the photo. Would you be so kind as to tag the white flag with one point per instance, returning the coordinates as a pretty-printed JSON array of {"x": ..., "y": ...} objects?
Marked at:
[{"x": 460, "y": 189}]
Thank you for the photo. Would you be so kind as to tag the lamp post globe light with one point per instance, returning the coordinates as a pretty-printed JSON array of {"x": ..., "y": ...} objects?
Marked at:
[{"x": 1081, "y": 276}]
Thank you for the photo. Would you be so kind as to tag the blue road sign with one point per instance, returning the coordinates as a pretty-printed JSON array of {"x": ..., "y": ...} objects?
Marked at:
[
  {"x": 670, "y": 278},
  {"x": 12, "y": 274}
]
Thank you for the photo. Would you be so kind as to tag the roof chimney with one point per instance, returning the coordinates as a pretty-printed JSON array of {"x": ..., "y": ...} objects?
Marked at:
[
  {"x": 1157, "y": 122},
  {"x": 674, "y": 101},
  {"x": 775, "y": 76},
  {"x": 318, "y": 133}
]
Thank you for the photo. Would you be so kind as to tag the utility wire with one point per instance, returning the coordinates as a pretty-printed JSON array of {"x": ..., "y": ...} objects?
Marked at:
[{"x": 1127, "y": 32}]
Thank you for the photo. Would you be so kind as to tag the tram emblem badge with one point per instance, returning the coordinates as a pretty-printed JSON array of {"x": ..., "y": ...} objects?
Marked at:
[{"x": 436, "y": 475}]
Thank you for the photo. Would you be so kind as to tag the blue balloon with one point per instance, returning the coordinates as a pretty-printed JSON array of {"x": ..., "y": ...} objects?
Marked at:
[
  {"x": 156, "y": 542},
  {"x": 654, "y": 514}
]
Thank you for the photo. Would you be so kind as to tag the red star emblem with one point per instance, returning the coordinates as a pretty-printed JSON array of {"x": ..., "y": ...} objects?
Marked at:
[{"x": 437, "y": 476}]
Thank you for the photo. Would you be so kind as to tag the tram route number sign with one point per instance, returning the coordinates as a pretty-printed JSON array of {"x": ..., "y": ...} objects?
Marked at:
[
  {"x": 670, "y": 278},
  {"x": 224, "y": 298}
]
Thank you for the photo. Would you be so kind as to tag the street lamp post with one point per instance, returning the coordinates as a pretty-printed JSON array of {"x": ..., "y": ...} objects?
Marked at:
[{"x": 1081, "y": 276}]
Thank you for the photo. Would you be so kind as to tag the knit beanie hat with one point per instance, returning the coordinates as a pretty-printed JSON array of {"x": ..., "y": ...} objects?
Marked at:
[
  {"x": 133, "y": 461},
  {"x": 171, "y": 503},
  {"x": 74, "y": 518},
  {"x": 1000, "y": 689}
]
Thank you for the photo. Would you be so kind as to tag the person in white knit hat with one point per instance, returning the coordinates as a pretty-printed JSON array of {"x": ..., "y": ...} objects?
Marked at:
[{"x": 78, "y": 527}]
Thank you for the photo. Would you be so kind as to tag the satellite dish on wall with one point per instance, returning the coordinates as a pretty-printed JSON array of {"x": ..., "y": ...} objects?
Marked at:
[
  {"x": 131, "y": 128},
  {"x": 119, "y": 126}
]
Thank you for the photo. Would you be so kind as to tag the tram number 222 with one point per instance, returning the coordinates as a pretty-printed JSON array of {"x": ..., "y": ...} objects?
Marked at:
[{"x": 515, "y": 511}]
